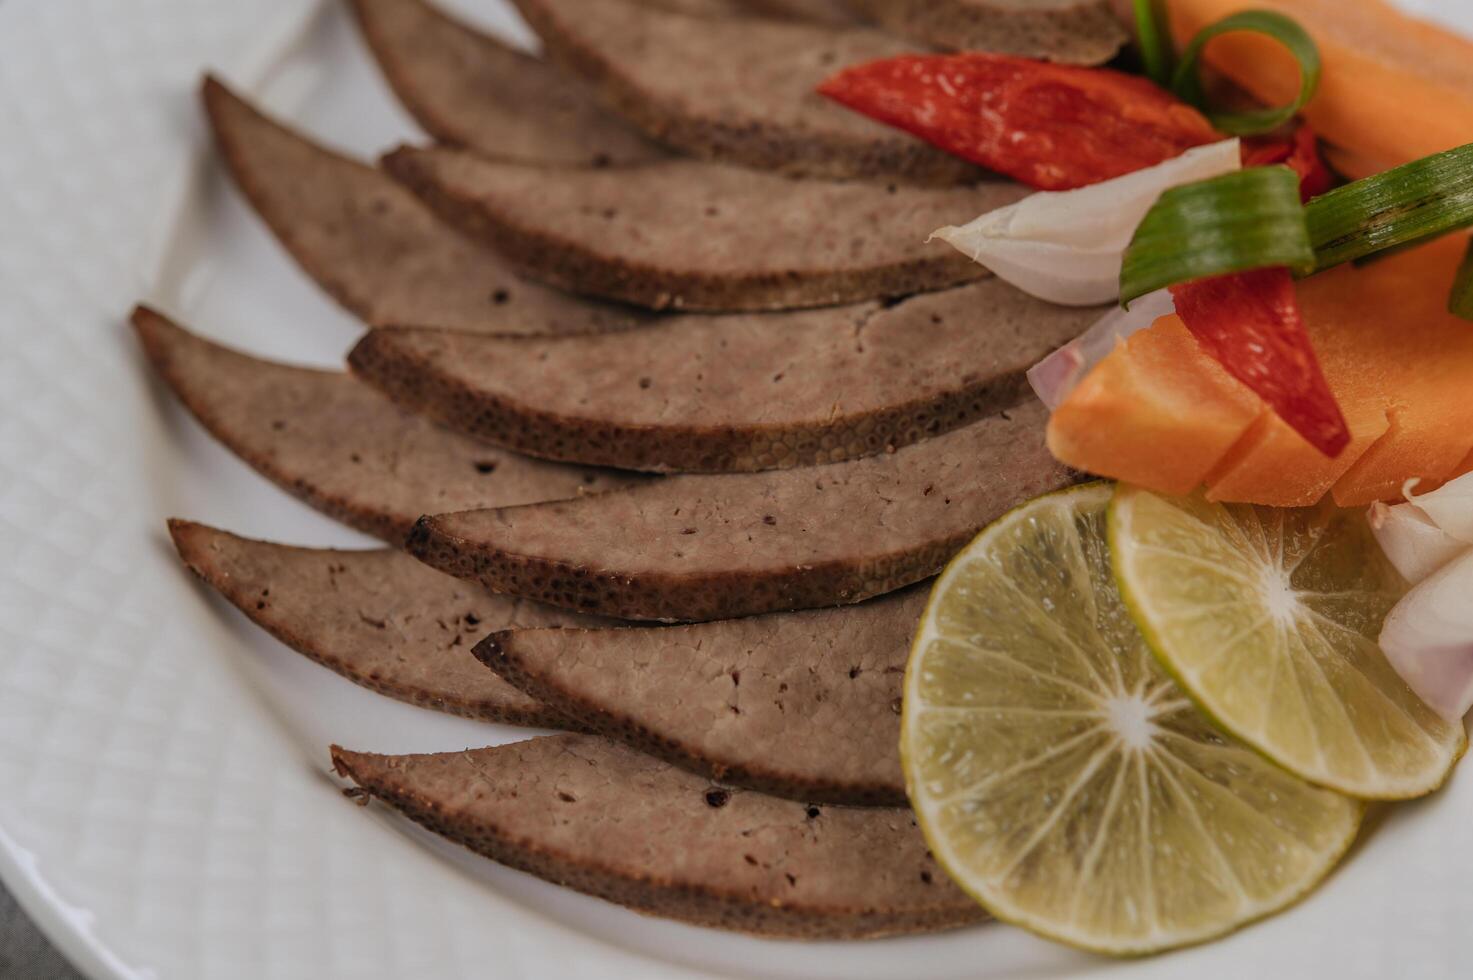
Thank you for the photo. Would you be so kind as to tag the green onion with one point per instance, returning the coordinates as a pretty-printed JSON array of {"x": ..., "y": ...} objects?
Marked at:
[
  {"x": 1248, "y": 219},
  {"x": 1187, "y": 83},
  {"x": 1153, "y": 33},
  {"x": 1412, "y": 204},
  {"x": 1461, "y": 301}
]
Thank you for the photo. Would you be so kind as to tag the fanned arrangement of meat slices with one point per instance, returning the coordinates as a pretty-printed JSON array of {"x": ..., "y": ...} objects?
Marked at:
[{"x": 837, "y": 409}]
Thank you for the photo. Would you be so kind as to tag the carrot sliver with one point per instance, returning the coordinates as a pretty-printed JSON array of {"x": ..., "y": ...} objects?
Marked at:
[
  {"x": 1252, "y": 472},
  {"x": 1409, "y": 450}
]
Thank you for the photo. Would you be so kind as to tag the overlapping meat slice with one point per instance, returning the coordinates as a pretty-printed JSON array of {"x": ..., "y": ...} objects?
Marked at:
[
  {"x": 599, "y": 817},
  {"x": 469, "y": 89},
  {"x": 379, "y": 618},
  {"x": 1081, "y": 32},
  {"x": 735, "y": 393},
  {"x": 684, "y": 234},
  {"x": 693, "y": 548},
  {"x": 373, "y": 246},
  {"x": 339, "y": 445},
  {"x": 738, "y": 90},
  {"x": 804, "y": 705}
]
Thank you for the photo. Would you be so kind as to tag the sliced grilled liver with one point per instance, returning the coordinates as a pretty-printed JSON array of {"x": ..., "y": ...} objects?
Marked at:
[
  {"x": 469, "y": 89},
  {"x": 733, "y": 393},
  {"x": 684, "y": 234},
  {"x": 379, "y": 618},
  {"x": 694, "y": 548},
  {"x": 804, "y": 705},
  {"x": 599, "y": 817}
]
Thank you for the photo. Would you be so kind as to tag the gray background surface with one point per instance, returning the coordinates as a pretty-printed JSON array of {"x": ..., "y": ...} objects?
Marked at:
[{"x": 24, "y": 953}]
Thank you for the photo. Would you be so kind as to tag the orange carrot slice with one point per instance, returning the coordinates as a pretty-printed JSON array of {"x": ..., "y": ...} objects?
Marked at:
[
  {"x": 1157, "y": 412},
  {"x": 1395, "y": 311},
  {"x": 1394, "y": 88}
]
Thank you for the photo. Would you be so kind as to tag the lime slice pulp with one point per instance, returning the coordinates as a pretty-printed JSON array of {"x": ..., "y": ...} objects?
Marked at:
[{"x": 1268, "y": 618}]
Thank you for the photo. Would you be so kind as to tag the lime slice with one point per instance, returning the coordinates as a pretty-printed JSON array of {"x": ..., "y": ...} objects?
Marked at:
[
  {"x": 1064, "y": 780},
  {"x": 1268, "y": 618}
]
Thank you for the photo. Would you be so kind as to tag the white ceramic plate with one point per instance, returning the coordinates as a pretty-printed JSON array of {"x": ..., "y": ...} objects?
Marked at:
[{"x": 165, "y": 806}]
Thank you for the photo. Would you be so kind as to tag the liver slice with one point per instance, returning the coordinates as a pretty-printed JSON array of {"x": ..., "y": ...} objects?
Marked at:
[
  {"x": 694, "y": 548},
  {"x": 737, "y": 90},
  {"x": 804, "y": 705},
  {"x": 469, "y": 89},
  {"x": 734, "y": 393},
  {"x": 1081, "y": 32},
  {"x": 342, "y": 447},
  {"x": 379, "y": 618},
  {"x": 606, "y": 820},
  {"x": 373, "y": 246},
  {"x": 683, "y": 234}
]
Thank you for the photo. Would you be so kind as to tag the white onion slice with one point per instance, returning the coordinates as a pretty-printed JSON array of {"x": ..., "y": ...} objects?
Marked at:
[
  {"x": 1429, "y": 639},
  {"x": 1067, "y": 246},
  {"x": 1450, "y": 507},
  {"x": 1058, "y": 274},
  {"x": 1413, "y": 541},
  {"x": 1429, "y": 635},
  {"x": 1056, "y": 376}
]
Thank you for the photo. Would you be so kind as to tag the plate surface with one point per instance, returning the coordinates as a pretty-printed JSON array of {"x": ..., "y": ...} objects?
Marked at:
[{"x": 165, "y": 804}]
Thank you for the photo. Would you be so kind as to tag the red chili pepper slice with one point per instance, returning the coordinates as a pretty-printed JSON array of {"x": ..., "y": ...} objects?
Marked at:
[
  {"x": 1300, "y": 152},
  {"x": 1250, "y": 322},
  {"x": 1053, "y": 127}
]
